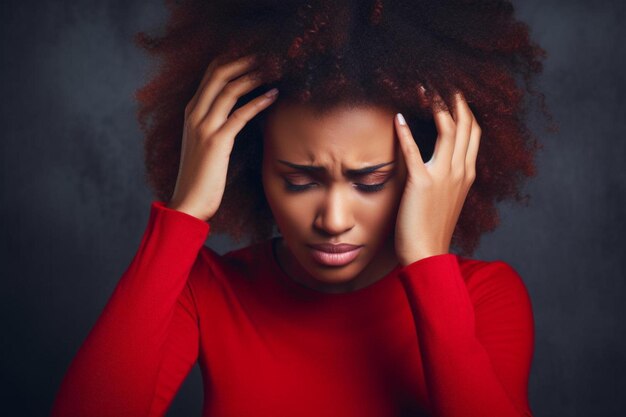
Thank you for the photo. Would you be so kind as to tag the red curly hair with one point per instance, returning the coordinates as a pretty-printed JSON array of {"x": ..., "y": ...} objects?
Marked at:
[{"x": 327, "y": 53}]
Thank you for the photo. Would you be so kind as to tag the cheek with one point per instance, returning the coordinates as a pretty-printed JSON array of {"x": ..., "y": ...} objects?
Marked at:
[
  {"x": 287, "y": 210},
  {"x": 376, "y": 215},
  {"x": 377, "y": 211}
]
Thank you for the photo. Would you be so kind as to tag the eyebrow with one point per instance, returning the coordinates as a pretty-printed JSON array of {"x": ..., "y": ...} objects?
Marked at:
[{"x": 316, "y": 168}]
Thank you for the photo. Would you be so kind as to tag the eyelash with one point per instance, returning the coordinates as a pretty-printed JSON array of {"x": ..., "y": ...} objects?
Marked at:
[{"x": 363, "y": 187}]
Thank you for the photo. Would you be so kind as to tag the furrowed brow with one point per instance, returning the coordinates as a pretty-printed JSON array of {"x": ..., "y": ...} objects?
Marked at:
[{"x": 316, "y": 168}]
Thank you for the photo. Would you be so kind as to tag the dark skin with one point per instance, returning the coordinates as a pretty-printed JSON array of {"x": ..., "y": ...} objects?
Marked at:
[
  {"x": 410, "y": 218},
  {"x": 335, "y": 206}
]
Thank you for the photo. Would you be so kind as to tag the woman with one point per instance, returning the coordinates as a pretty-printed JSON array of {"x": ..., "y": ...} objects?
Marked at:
[{"x": 358, "y": 308}]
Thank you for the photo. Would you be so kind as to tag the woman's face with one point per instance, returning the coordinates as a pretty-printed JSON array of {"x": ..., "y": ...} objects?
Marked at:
[{"x": 335, "y": 205}]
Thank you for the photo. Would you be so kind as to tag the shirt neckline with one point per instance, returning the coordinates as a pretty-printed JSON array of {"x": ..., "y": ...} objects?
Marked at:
[{"x": 368, "y": 291}]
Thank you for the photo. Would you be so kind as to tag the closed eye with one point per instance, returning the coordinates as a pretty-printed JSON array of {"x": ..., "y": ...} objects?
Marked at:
[
  {"x": 368, "y": 188},
  {"x": 368, "y": 182}
]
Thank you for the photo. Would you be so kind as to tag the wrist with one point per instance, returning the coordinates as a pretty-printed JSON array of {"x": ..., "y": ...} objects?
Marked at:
[
  {"x": 187, "y": 210},
  {"x": 418, "y": 257}
]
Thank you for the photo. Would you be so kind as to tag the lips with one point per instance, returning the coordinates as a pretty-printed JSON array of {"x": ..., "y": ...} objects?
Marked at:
[
  {"x": 337, "y": 255},
  {"x": 338, "y": 248},
  {"x": 335, "y": 259}
]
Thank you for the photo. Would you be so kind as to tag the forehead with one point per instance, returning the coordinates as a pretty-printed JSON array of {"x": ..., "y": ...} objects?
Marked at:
[{"x": 346, "y": 135}]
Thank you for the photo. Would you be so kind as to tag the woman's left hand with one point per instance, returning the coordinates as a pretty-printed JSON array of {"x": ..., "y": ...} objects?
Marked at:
[{"x": 435, "y": 191}]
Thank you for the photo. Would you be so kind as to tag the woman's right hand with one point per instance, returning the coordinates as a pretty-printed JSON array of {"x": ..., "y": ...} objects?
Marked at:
[{"x": 209, "y": 134}]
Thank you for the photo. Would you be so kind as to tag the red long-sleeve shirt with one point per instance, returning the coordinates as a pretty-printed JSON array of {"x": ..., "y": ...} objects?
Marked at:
[{"x": 445, "y": 336}]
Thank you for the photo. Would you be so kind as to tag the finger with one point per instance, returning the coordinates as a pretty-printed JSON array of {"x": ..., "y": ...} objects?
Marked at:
[
  {"x": 410, "y": 151},
  {"x": 217, "y": 78},
  {"x": 251, "y": 59},
  {"x": 215, "y": 62},
  {"x": 446, "y": 128},
  {"x": 472, "y": 150},
  {"x": 227, "y": 98},
  {"x": 464, "y": 118},
  {"x": 236, "y": 122},
  {"x": 219, "y": 60}
]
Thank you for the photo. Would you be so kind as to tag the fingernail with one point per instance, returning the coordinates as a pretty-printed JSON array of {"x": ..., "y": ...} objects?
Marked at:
[
  {"x": 401, "y": 119},
  {"x": 271, "y": 93}
]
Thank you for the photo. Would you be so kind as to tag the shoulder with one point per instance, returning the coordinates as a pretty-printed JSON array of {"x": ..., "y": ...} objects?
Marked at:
[
  {"x": 494, "y": 284},
  {"x": 486, "y": 280},
  {"x": 477, "y": 272},
  {"x": 240, "y": 260},
  {"x": 233, "y": 265}
]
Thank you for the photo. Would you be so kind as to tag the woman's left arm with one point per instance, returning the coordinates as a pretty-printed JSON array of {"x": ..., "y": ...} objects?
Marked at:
[
  {"x": 476, "y": 340},
  {"x": 476, "y": 336}
]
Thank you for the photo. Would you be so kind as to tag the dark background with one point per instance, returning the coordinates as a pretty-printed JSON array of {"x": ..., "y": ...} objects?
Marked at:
[{"x": 74, "y": 204}]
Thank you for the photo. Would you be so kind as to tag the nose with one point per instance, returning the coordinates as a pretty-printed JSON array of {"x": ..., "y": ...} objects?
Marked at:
[{"x": 335, "y": 214}]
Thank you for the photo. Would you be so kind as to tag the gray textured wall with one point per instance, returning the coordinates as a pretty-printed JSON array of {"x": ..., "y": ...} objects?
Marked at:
[{"x": 74, "y": 205}]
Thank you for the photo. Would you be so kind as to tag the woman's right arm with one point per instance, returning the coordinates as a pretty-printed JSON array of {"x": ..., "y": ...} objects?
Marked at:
[{"x": 146, "y": 339}]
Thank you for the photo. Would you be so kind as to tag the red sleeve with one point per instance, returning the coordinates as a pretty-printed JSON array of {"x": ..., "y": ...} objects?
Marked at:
[
  {"x": 145, "y": 341},
  {"x": 476, "y": 338}
]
